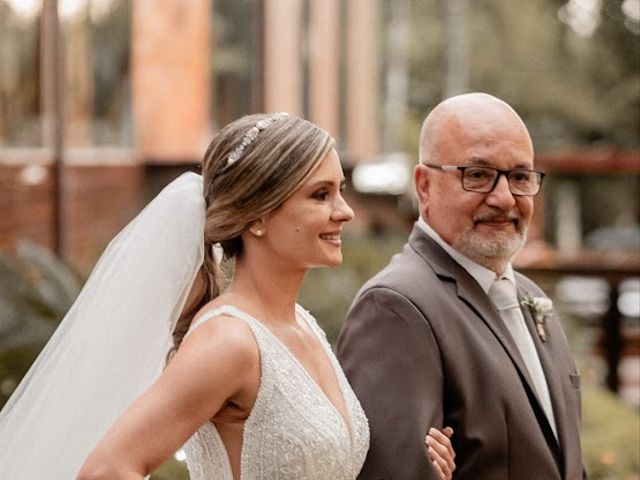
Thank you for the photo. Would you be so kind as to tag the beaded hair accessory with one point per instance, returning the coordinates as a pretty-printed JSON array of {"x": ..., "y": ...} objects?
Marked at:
[{"x": 252, "y": 134}]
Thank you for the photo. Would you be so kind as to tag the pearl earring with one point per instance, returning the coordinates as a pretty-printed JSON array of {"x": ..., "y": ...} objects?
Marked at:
[{"x": 258, "y": 233}]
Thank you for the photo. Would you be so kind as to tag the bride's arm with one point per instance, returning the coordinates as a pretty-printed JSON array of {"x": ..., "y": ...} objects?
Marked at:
[{"x": 216, "y": 363}]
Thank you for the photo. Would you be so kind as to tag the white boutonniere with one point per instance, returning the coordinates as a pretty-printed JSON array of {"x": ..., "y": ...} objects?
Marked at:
[{"x": 539, "y": 307}]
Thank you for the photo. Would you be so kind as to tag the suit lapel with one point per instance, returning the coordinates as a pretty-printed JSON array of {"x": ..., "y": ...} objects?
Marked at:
[
  {"x": 473, "y": 295},
  {"x": 470, "y": 292},
  {"x": 545, "y": 353}
]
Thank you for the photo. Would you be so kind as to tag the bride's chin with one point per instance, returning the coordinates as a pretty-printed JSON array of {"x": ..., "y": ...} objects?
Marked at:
[{"x": 329, "y": 263}]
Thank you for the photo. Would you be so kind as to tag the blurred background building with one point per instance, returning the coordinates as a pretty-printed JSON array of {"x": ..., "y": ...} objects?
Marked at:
[
  {"x": 100, "y": 97},
  {"x": 103, "y": 102}
]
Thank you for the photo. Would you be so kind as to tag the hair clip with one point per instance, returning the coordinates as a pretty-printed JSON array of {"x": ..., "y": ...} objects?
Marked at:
[{"x": 252, "y": 134}]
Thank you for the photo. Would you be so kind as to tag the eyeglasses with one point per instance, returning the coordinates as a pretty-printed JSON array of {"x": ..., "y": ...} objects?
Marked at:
[{"x": 481, "y": 179}]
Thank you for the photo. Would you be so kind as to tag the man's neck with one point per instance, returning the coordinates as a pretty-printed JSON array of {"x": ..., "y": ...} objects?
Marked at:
[{"x": 481, "y": 273}]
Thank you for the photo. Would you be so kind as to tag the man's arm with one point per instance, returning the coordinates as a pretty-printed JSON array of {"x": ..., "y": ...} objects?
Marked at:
[{"x": 392, "y": 361}]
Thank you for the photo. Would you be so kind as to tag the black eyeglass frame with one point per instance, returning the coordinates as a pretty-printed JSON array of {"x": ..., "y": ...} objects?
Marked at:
[{"x": 506, "y": 173}]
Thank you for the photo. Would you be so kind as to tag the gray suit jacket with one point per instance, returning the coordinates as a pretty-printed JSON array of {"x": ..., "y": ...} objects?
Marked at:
[{"x": 424, "y": 346}]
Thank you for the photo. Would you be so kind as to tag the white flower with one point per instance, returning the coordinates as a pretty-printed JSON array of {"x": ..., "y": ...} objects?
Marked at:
[
  {"x": 543, "y": 304},
  {"x": 539, "y": 307}
]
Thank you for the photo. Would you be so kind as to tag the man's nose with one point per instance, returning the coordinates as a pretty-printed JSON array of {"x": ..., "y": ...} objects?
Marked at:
[{"x": 501, "y": 195}]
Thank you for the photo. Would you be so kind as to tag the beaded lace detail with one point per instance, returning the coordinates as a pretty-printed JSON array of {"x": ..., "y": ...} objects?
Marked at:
[{"x": 293, "y": 431}]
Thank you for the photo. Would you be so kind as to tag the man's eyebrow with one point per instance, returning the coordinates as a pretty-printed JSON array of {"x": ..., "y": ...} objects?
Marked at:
[
  {"x": 482, "y": 162},
  {"x": 477, "y": 161}
]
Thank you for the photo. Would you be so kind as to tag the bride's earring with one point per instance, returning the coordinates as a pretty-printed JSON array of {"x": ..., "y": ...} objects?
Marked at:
[
  {"x": 257, "y": 231},
  {"x": 257, "y": 228}
]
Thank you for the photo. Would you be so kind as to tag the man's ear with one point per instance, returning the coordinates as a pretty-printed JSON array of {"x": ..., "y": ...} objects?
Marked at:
[{"x": 421, "y": 179}]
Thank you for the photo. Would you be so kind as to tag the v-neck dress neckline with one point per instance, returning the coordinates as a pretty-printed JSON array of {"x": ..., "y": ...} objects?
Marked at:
[
  {"x": 294, "y": 430},
  {"x": 301, "y": 313}
]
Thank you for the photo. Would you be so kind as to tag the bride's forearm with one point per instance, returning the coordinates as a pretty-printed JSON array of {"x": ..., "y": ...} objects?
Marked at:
[{"x": 98, "y": 470}]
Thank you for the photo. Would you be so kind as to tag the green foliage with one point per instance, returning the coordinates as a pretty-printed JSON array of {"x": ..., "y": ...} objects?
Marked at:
[
  {"x": 36, "y": 290},
  {"x": 327, "y": 293},
  {"x": 172, "y": 469},
  {"x": 610, "y": 436},
  {"x": 14, "y": 364},
  {"x": 37, "y": 285},
  {"x": 571, "y": 90}
]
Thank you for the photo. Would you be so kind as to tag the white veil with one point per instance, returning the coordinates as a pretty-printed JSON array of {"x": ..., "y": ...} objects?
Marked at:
[{"x": 112, "y": 343}]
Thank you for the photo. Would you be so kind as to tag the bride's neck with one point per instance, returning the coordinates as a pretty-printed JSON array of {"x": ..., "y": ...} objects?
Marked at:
[{"x": 268, "y": 287}]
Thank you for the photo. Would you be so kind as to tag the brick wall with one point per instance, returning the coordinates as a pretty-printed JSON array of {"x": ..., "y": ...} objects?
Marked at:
[{"x": 98, "y": 200}]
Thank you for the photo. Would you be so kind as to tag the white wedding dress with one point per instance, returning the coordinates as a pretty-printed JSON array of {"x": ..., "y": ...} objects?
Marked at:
[{"x": 293, "y": 431}]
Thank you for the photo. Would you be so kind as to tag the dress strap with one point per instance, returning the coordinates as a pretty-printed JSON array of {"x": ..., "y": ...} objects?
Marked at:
[
  {"x": 311, "y": 322},
  {"x": 226, "y": 309}
]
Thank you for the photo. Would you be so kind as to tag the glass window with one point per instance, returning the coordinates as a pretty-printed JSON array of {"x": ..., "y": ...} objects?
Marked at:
[
  {"x": 20, "y": 73},
  {"x": 96, "y": 42},
  {"x": 234, "y": 28},
  {"x": 600, "y": 212}
]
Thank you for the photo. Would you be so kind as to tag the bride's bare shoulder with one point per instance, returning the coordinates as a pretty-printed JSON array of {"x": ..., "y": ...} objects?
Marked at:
[
  {"x": 217, "y": 361},
  {"x": 215, "y": 336}
]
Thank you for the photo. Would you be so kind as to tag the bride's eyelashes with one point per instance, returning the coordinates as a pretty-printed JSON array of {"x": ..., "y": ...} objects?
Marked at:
[
  {"x": 321, "y": 195},
  {"x": 324, "y": 193}
]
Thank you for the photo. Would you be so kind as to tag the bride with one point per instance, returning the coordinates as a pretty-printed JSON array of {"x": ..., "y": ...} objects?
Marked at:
[{"x": 251, "y": 386}]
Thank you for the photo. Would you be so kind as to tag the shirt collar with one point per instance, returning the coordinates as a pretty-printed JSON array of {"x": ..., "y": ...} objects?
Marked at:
[{"x": 481, "y": 274}]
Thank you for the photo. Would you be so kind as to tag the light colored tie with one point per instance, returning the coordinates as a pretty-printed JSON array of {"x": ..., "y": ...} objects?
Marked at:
[{"x": 504, "y": 296}]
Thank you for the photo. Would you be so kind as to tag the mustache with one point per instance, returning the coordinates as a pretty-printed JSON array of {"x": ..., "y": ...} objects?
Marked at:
[{"x": 497, "y": 217}]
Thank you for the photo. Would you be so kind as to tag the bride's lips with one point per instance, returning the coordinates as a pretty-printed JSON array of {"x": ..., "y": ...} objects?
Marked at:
[{"x": 332, "y": 237}]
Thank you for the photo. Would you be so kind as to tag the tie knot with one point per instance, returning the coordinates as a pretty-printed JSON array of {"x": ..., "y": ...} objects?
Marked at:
[{"x": 503, "y": 294}]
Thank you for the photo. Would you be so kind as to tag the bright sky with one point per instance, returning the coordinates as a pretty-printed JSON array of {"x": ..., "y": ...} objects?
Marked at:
[
  {"x": 28, "y": 10},
  {"x": 583, "y": 16}
]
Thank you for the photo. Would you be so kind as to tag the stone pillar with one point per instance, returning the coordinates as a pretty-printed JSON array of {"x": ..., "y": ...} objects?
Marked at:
[
  {"x": 324, "y": 63},
  {"x": 282, "y": 59},
  {"x": 171, "y": 78},
  {"x": 457, "y": 47},
  {"x": 396, "y": 97},
  {"x": 568, "y": 218},
  {"x": 78, "y": 78},
  {"x": 362, "y": 79}
]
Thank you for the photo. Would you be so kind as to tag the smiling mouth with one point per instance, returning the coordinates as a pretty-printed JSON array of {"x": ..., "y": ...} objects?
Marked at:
[
  {"x": 331, "y": 237},
  {"x": 497, "y": 220}
]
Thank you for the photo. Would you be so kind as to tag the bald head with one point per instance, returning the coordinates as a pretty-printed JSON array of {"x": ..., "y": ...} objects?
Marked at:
[
  {"x": 471, "y": 112},
  {"x": 476, "y": 131}
]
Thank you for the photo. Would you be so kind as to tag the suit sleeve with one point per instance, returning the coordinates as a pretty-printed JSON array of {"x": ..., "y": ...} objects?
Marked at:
[{"x": 391, "y": 358}]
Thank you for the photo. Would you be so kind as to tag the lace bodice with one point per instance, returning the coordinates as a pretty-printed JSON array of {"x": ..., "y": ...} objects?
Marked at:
[{"x": 293, "y": 431}]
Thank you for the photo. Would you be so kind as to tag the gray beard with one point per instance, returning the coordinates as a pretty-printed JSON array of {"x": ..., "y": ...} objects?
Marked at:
[{"x": 491, "y": 252}]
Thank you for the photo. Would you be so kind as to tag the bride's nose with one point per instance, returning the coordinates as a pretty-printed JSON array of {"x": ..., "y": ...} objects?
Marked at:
[{"x": 342, "y": 212}]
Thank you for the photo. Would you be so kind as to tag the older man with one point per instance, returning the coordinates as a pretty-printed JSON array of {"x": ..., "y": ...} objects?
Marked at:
[{"x": 448, "y": 334}]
